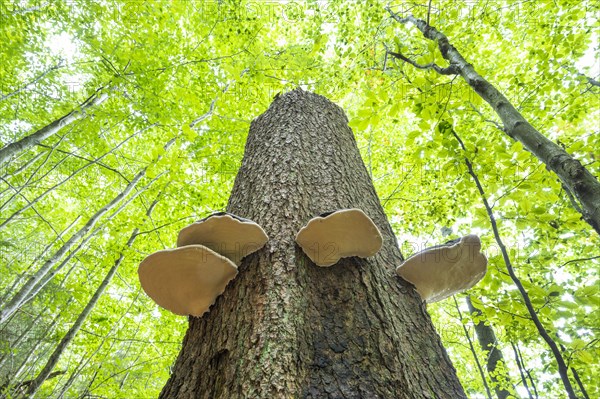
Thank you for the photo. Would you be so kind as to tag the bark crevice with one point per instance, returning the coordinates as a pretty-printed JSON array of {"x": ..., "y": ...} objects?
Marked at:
[{"x": 292, "y": 329}]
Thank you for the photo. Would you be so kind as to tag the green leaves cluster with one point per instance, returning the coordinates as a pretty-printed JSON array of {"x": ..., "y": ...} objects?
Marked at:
[{"x": 199, "y": 72}]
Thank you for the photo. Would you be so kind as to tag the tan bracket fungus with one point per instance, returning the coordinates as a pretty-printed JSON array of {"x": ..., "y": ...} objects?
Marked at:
[
  {"x": 186, "y": 280},
  {"x": 444, "y": 270},
  {"x": 227, "y": 234},
  {"x": 340, "y": 234}
]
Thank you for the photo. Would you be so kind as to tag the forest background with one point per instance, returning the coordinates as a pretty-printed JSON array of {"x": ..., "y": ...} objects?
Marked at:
[{"x": 144, "y": 106}]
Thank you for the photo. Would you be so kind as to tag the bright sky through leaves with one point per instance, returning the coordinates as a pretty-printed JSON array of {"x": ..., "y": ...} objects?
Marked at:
[{"x": 167, "y": 64}]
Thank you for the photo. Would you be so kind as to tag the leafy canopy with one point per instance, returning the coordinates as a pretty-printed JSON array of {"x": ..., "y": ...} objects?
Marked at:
[{"x": 199, "y": 72}]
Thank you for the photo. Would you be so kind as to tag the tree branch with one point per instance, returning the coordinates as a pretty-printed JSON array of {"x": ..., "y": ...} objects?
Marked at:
[
  {"x": 472, "y": 349},
  {"x": 14, "y": 148},
  {"x": 451, "y": 70},
  {"x": 583, "y": 184},
  {"x": 593, "y": 82},
  {"x": 34, "y": 81},
  {"x": 562, "y": 366}
]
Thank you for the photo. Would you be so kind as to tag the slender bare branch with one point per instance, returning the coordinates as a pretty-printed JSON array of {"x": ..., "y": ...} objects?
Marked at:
[
  {"x": 451, "y": 70},
  {"x": 34, "y": 81}
]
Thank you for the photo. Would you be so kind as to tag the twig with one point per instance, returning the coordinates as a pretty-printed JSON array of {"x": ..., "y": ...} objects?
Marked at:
[{"x": 451, "y": 70}]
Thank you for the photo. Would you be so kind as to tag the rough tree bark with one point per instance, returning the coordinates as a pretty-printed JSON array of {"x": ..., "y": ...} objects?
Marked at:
[
  {"x": 285, "y": 328},
  {"x": 487, "y": 341},
  {"x": 574, "y": 176}
]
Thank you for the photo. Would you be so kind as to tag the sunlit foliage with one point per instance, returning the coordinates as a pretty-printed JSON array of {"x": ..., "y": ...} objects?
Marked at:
[{"x": 198, "y": 72}]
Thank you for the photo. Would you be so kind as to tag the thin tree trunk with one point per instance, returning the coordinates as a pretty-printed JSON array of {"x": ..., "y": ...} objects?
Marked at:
[
  {"x": 101, "y": 164},
  {"x": 473, "y": 351},
  {"x": 12, "y": 384},
  {"x": 522, "y": 371},
  {"x": 10, "y": 289},
  {"x": 19, "y": 298},
  {"x": 286, "y": 328},
  {"x": 84, "y": 362},
  {"x": 576, "y": 377},
  {"x": 26, "y": 384},
  {"x": 49, "y": 130},
  {"x": 26, "y": 165},
  {"x": 72, "y": 377},
  {"x": 70, "y": 156},
  {"x": 39, "y": 257},
  {"x": 66, "y": 179},
  {"x": 488, "y": 342},
  {"x": 21, "y": 336},
  {"x": 578, "y": 180},
  {"x": 562, "y": 366},
  {"x": 579, "y": 383},
  {"x": 50, "y": 275},
  {"x": 35, "y": 384},
  {"x": 34, "y": 81},
  {"x": 31, "y": 176}
]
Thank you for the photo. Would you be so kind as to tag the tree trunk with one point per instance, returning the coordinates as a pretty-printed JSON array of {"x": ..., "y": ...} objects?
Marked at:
[
  {"x": 522, "y": 371},
  {"x": 34, "y": 201},
  {"x": 34, "y": 81},
  {"x": 487, "y": 341},
  {"x": 286, "y": 328},
  {"x": 29, "y": 288},
  {"x": 473, "y": 351},
  {"x": 9, "y": 389},
  {"x": 560, "y": 361},
  {"x": 573, "y": 175},
  {"x": 46, "y": 372},
  {"x": 9, "y": 349},
  {"x": 33, "y": 284},
  {"x": 580, "y": 384},
  {"x": 49, "y": 130},
  {"x": 27, "y": 164}
]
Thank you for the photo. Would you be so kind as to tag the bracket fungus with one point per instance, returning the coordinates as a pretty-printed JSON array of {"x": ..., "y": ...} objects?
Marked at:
[
  {"x": 335, "y": 235},
  {"x": 186, "y": 280},
  {"x": 444, "y": 270},
  {"x": 227, "y": 234}
]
